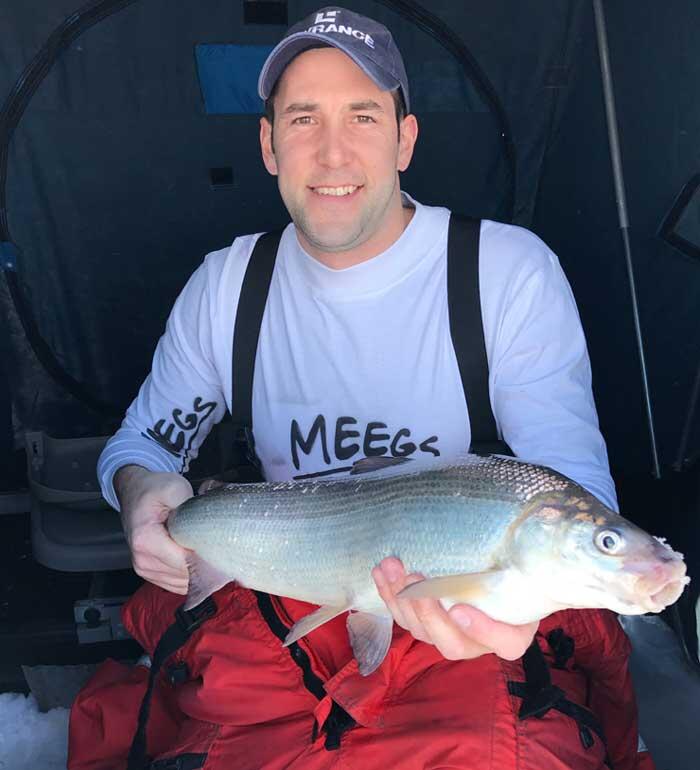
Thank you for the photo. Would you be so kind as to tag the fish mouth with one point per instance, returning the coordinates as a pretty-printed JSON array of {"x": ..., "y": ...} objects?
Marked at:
[{"x": 661, "y": 585}]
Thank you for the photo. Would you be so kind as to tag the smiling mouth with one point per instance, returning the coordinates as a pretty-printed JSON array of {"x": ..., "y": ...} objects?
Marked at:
[{"x": 336, "y": 192}]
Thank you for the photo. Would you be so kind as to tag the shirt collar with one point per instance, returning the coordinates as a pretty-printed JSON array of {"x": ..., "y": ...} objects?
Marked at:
[{"x": 373, "y": 276}]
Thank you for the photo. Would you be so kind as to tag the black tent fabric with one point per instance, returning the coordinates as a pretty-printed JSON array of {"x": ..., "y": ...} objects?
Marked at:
[
  {"x": 653, "y": 49},
  {"x": 122, "y": 176}
]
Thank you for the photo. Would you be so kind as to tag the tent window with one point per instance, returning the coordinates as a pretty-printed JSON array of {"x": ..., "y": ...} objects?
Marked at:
[{"x": 228, "y": 77}]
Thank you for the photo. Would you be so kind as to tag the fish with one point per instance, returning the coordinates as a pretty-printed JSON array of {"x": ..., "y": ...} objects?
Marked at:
[{"x": 516, "y": 540}]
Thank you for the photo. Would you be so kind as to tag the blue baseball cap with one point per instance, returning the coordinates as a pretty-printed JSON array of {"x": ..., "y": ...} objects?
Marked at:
[{"x": 367, "y": 42}]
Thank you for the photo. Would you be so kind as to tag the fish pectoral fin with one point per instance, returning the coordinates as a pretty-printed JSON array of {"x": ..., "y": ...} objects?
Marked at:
[
  {"x": 370, "y": 637},
  {"x": 205, "y": 579},
  {"x": 462, "y": 588},
  {"x": 315, "y": 619}
]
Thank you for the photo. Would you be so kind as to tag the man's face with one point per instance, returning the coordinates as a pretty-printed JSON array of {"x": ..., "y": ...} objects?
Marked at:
[{"x": 337, "y": 153}]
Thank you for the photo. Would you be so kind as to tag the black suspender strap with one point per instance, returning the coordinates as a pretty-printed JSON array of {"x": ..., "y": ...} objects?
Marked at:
[
  {"x": 180, "y": 762},
  {"x": 467, "y": 330},
  {"x": 246, "y": 332},
  {"x": 186, "y": 623},
  {"x": 338, "y": 720},
  {"x": 540, "y": 695},
  {"x": 267, "y": 610}
]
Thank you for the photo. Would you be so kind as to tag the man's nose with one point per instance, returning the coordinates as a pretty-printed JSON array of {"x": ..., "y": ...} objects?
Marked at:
[{"x": 333, "y": 149}]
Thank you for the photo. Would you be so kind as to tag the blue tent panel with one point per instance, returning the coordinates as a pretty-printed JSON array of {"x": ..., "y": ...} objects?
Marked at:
[{"x": 228, "y": 76}]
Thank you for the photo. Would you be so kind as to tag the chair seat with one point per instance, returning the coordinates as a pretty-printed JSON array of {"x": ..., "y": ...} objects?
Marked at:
[
  {"x": 78, "y": 540},
  {"x": 73, "y": 527}
]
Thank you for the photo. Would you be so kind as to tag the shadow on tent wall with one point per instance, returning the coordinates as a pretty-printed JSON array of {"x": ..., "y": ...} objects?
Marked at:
[
  {"x": 12, "y": 476},
  {"x": 5, "y": 426}
]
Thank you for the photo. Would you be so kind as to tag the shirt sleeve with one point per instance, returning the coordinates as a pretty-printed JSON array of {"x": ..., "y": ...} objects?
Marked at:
[
  {"x": 182, "y": 398},
  {"x": 540, "y": 373}
]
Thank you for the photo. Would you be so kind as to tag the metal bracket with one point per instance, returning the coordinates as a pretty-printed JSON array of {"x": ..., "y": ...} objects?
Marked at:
[{"x": 99, "y": 619}]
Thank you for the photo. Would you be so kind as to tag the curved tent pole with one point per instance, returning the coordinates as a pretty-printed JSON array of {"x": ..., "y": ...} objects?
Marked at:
[
  {"x": 71, "y": 28},
  {"x": 618, "y": 175},
  {"x": 436, "y": 28},
  {"x": 34, "y": 73},
  {"x": 10, "y": 116}
]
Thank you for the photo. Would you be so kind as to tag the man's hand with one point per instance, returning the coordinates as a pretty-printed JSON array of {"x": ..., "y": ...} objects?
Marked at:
[
  {"x": 461, "y": 633},
  {"x": 146, "y": 499}
]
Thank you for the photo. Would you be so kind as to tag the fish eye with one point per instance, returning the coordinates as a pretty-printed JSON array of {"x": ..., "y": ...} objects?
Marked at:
[{"x": 609, "y": 541}]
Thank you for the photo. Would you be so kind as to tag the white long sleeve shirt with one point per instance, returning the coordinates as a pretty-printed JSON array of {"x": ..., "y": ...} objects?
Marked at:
[{"x": 360, "y": 361}]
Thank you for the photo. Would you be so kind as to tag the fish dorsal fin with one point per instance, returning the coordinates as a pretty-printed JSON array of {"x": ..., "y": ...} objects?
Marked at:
[
  {"x": 467, "y": 587},
  {"x": 369, "y": 464},
  {"x": 370, "y": 637},
  {"x": 205, "y": 579},
  {"x": 315, "y": 619}
]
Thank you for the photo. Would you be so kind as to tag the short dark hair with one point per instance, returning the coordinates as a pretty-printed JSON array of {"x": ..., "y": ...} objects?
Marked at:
[{"x": 399, "y": 103}]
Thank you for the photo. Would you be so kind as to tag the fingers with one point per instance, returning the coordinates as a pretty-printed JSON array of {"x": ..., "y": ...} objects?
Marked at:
[
  {"x": 164, "y": 580},
  {"x": 158, "y": 573},
  {"x": 158, "y": 559},
  {"x": 209, "y": 484},
  {"x": 507, "y": 641},
  {"x": 390, "y": 579},
  {"x": 172, "y": 493},
  {"x": 153, "y": 540},
  {"x": 146, "y": 499},
  {"x": 462, "y": 633},
  {"x": 450, "y": 637}
]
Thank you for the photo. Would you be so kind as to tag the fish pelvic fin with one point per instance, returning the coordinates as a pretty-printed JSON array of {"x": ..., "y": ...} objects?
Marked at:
[
  {"x": 370, "y": 637},
  {"x": 205, "y": 579},
  {"x": 467, "y": 587},
  {"x": 315, "y": 619}
]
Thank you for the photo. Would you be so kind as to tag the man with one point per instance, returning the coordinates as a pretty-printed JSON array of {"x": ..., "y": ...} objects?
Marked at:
[{"x": 355, "y": 335}]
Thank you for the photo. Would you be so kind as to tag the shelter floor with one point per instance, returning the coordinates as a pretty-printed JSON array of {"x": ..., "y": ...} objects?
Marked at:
[
  {"x": 36, "y": 610},
  {"x": 668, "y": 693}
]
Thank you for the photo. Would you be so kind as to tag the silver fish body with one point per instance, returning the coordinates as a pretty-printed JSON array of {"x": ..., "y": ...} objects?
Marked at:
[
  {"x": 518, "y": 541},
  {"x": 317, "y": 541}
]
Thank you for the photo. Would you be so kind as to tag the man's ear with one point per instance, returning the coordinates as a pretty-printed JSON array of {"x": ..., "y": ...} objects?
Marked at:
[
  {"x": 268, "y": 153},
  {"x": 408, "y": 134}
]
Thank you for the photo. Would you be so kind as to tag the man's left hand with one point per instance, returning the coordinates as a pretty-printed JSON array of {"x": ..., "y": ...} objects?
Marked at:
[{"x": 461, "y": 633}]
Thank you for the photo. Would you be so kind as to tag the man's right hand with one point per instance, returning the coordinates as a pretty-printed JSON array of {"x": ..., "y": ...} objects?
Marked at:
[
  {"x": 146, "y": 499},
  {"x": 462, "y": 633}
]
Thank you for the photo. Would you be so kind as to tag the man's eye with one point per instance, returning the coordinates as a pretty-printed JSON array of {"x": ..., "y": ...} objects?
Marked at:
[
  {"x": 303, "y": 119},
  {"x": 365, "y": 119}
]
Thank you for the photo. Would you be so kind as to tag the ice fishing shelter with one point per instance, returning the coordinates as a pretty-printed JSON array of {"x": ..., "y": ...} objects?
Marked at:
[{"x": 128, "y": 150}]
